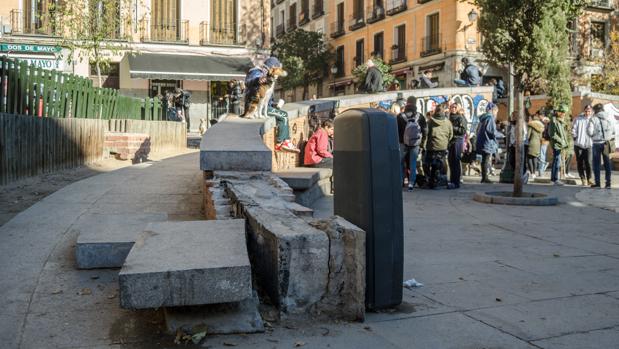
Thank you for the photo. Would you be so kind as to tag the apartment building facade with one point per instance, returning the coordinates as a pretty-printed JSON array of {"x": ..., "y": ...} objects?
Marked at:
[
  {"x": 423, "y": 35},
  {"x": 195, "y": 45}
]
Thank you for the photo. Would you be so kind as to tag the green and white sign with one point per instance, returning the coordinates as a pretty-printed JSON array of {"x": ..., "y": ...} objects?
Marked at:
[
  {"x": 4, "y": 47},
  {"x": 41, "y": 61}
]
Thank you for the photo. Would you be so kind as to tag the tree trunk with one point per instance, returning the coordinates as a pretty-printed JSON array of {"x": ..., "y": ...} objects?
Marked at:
[
  {"x": 519, "y": 144},
  {"x": 305, "y": 88}
]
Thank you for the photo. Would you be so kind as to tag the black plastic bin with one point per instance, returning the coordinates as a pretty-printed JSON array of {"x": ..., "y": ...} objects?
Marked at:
[{"x": 368, "y": 193}]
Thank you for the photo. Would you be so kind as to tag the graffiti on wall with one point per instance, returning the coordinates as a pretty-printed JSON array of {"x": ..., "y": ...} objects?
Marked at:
[{"x": 474, "y": 107}]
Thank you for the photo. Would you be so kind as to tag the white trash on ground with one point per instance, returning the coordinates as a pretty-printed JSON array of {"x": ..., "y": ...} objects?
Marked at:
[{"x": 412, "y": 283}]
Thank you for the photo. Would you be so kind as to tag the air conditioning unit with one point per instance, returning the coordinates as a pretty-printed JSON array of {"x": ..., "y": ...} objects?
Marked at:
[
  {"x": 6, "y": 29},
  {"x": 597, "y": 53}
]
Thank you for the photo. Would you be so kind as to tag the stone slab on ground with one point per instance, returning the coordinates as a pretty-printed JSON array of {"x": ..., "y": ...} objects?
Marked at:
[
  {"x": 187, "y": 263},
  {"x": 105, "y": 240},
  {"x": 235, "y": 144},
  {"x": 227, "y": 318}
]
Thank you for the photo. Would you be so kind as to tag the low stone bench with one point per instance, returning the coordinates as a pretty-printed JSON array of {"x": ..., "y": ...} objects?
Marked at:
[
  {"x": 104, "y": 240},
  {"x": 187, "y": 263},
  {"x": 309, "y": 183}
]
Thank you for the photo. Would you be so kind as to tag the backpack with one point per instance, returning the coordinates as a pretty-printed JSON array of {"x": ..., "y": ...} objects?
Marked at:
[{"x": 412, "y": 132}]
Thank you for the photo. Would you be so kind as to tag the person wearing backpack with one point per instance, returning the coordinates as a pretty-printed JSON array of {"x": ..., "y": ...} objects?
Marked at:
[
  {"x": 413, "y": 141},
  {"x": 601, "y": 128},
  {"x": 456, "y": 146},
  {"x": 440, "y": 133}
]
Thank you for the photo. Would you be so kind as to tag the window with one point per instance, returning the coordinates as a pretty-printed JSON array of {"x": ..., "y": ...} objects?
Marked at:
[
  {"x": 359, "y": 53},
  {"x": 38, "y": 16},
  {"x": 339, "y": 61},
  {"x": 357, "y": 9},
  {"x": 398, "y": 53},
  {"x": 379, "y": 45},
  {"x": 598, "y": 39},
  {"x": 431, "y": 43},
  {"x": 292, "y": 20},
  {"x": 223, "y": 21}
]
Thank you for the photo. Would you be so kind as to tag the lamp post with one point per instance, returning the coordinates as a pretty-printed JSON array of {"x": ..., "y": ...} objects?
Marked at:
[{"x": 333, "y": 72}]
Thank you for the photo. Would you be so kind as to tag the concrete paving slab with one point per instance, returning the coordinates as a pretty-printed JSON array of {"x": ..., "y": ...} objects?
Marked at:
[
  {"x": 446, "y": 331},
  {"x": 607, "y": 338},
  {"x": 187, "y": 263},
  {"x": 466, "y": 295},
  {"x": 104, "y": 241},
  {"x": 413, "y": 305},
  {"x": 235, "y": 145},
  {"x": 228, "y": 318},
  {"x": 554, "y": 317}
]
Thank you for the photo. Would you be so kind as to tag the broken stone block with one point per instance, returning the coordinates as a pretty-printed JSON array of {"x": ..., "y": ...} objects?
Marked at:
[
  {"x": 187, "y": 263},
  {"x": 226, "y": 318},
  {"x": 345, "y": 294}
]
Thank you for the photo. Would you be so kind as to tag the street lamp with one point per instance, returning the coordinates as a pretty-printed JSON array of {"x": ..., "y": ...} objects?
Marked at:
[
  {"x": 333, "y": 72},
  {"x": 473, "y": 15}
]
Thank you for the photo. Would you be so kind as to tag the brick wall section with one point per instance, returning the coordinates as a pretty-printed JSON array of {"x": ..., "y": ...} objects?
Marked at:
[{"x": 127, "y": 146}]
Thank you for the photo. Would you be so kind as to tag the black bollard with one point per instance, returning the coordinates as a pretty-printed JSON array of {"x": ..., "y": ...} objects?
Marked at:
[{"x": 368, "y": 193}]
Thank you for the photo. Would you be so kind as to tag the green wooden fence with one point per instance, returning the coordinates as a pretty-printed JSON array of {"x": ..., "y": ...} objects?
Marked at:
[{"x": 28, "y": 90}]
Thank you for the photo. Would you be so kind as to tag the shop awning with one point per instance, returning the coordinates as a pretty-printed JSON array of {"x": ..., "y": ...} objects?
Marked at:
[{"x": 187, "y": 67}]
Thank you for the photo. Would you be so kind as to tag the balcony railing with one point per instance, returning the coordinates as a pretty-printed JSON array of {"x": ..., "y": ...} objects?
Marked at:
[
  {"x": 398, "y": 54},
  {"x": 292, "y": 24},
  {"x": 279, "y": 30},
  {"x": 356, "y": 21},
  {"x": 337, "y": 29},
  {"x": 319, "y": 9},
  {"x": 431, "y": 45},
  {"x": 36, "y": 26},
  {"x": 395, "y": 6},
  {"x": 219, "y": 34},
  {"x": 166, "y": 31},
  {"x": 304, "y": 17},
  {"x": 601, "y": 4},
  {"x": 423, "y": 1},
  {"x": 375, "y": 14}
]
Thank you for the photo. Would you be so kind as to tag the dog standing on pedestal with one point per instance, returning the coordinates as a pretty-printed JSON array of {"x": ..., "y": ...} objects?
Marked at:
[{"x": 259, "y": 87}]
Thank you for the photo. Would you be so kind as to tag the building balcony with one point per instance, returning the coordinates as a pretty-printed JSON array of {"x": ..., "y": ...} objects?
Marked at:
[
  {"x": 398, "y": 54},
  {"x": 219, "y": 35},
  {"x": 375, "y": 14},
  {"x": 600, "y": 5},
  {"x": 396, "y": 6},
  {"x": 40, "y": 26},
  {"x": 356, "y": 22},
  {"x": 431, "y": 45},
  {"x": 423, "y": 1},
  {"x": 279, "y": 1},
  {"x": 174, "y": 31},
  {"x": 292, "y": 25},
  {"x": 337, "y": 29},
  {"x": 279, "y": 30},
  {"x": 304, "y": 17},
  {"x": 319, "y": 9}
]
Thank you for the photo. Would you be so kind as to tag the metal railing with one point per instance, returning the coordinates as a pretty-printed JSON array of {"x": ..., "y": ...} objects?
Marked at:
[
  {"x": 337, "y": 29},
  {"x": 375, "y": 14},
  {"x": 218, "y": 34},
  {"x": 279, "y": 30},
  {"x": 45, "y": 25},
  {"x": 292, "y": 23},
  {"x": 398, "y": 54},
  {"x": 395, "y": 7},
  {"x": 356, "y": 21},
  {"x": 600, "y": 3},
  {"x": 304, "y": 16},
  {"x": 165, "y": 31},
  {"x": 431, "y": 45}
]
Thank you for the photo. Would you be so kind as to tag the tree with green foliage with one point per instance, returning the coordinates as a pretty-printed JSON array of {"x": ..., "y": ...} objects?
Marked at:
[
  {"x": 608, "y": 81},
  {"x": 306, "y": 57},
  {"x": 92, "y": 30},
  {"x": 360, "y": 71},
  {"x": 532, "y": 36}
]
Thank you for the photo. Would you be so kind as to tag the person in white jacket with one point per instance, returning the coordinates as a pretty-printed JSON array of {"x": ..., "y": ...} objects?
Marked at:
[
  {"x": 601, "y": 128},
  {"x": 583, "y": 144}
]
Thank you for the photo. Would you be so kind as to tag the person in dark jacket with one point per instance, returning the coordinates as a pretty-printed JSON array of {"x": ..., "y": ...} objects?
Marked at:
[
  {"x": 470, "y": 75},
  {"x": 235, "y": 92},
  {"x": 373, "y": 78},
  {"x": 440, "y": 133},
  {"x": 425, "y": 80},
  {"x": 456, "y": 146},
  {"x": 486, "y": 142},
  {"x": 558, "y": 141}
]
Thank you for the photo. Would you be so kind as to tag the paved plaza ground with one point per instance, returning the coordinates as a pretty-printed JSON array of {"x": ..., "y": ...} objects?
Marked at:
[{"x": 494, "y": 276}]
